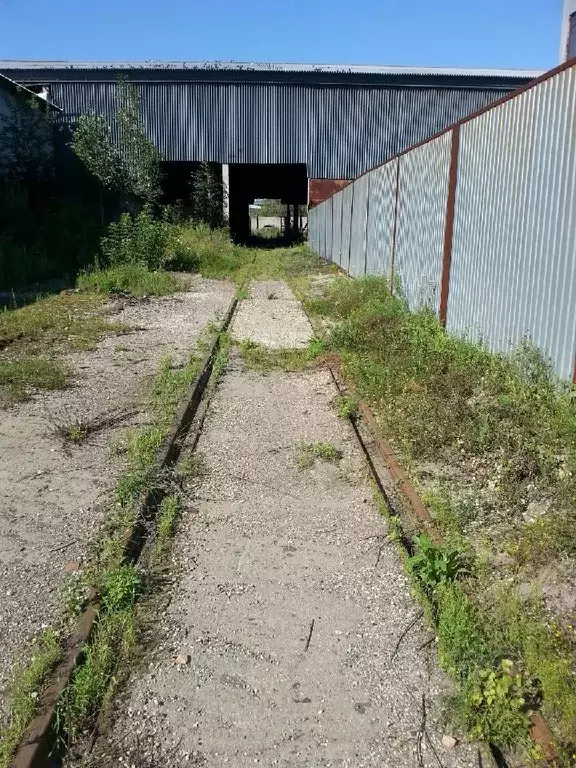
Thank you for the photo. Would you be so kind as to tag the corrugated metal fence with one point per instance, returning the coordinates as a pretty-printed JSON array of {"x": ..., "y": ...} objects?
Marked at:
[{"x": 478, "y": 223}]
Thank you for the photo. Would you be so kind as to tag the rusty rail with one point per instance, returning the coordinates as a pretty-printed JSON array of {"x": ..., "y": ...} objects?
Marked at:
[{"x": 37, "y": 743}]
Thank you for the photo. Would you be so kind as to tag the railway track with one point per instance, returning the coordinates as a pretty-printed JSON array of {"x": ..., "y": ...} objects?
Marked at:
[{"x": 267, "y": 680}]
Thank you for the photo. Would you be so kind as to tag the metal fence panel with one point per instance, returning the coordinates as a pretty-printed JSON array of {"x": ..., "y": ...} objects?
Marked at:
[
  {"x": 380, "y": 226},
  {"x": 329, "y": 229},
  {"x": 513, "y": 261},
  {"x": 347, "y": 211},
  {"x": 321, "y": 233},
  {"x": 421, "y": 221},
  {"x": 357, "y": 265},
  {"x": 313, "y": 229},
  {"x": 336, "y": 228}
]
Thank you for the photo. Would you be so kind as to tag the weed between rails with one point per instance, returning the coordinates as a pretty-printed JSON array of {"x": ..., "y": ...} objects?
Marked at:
[
  {"x": 490, "y": 441},
  {"x": 260, "y": 358},
  {"x": 22, "y": 692},
  {"x": 308, "y": 453}
]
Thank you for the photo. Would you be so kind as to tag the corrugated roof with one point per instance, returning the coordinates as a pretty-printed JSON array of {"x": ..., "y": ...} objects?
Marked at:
[{"x": 254, "y": 66}]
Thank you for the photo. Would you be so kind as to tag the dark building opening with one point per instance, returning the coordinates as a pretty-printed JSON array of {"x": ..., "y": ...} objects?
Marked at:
[
  {"x": 176, "y": 178},
  {"x": 247, "y": 182}
]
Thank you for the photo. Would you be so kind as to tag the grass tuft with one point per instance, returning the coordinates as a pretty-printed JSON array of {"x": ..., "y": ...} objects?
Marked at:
[
  {"x": 131, "y": 279},
  {"x": 19, "y": 378},
  {"x": 24, "y": 692},
  {"x": 260, "y": 358},
  {"x": 169, "y": 515},
  {"x": 308, "y": 453}
]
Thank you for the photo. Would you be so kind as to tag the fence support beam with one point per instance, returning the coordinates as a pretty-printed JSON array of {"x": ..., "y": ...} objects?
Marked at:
[{"x": 449, "y": 229}]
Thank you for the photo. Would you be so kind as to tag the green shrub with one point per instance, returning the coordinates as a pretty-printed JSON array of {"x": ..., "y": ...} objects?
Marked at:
[
  {"x": 495, "y": 704},
  {"x": 120, "y": 588},
  {"x": 434, "y": 564},
  {"x": 208, "y": 251},
  {"x": 462, "y": 644},
  {"x": 139, "y": 239}
]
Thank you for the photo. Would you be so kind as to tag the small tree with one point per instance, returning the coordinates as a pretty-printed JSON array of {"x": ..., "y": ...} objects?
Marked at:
[
  {"x": 119, "y": 153},
  {"x": 26, "y": 154},
  {"x": 207, "y": 195}
]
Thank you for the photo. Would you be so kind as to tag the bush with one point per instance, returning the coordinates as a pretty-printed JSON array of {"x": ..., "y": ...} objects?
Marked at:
[
  {"x": 141, "y": 239},
  {"x": 204, "y": 250}
]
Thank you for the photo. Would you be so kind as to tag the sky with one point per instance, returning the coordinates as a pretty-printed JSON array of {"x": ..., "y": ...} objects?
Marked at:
[{"x": 520, "y": 34}]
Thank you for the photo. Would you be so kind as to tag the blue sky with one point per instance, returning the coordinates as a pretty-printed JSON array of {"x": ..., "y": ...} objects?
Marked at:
[{"x": 484, "y": 33}]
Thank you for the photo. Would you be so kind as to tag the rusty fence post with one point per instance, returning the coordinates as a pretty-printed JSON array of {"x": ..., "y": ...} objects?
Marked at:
[
  {"x": 449, "y": 229},
  {"x": 332, "y": 228},
  {"x": 394, "y": 226}
]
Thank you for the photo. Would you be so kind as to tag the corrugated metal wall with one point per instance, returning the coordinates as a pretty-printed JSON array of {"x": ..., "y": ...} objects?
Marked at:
[
  {"x": 358, "y": 230},
  {"x": 423, "y": 188},
  {"x": 336, "y": 227},
  {"x": 347, "y": 212},
  {"x": 510, "y": 270},
  {"x": 380, "y": 226},
  {"x": 338, "y": 131},
  {"x": 514, "y": 249}
]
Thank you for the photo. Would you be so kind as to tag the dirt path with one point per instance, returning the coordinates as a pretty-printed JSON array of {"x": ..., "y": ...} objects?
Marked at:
[
  {"x": 53, "y": 496},
  {"x": 279, "y": 644}
]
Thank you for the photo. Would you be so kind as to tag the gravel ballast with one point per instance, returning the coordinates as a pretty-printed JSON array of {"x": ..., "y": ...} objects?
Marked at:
[
  {"x": 282, "y": 644},
  {"x": 54, "y": 495}
]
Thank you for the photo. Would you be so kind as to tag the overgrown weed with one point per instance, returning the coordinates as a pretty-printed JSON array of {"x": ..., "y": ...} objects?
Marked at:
[
  {"x": 260, "y": 358},
  {"x": 505, "y": 428},
  {"x": 131, "y": 280},
  {"x": 308, "y": 453},
  {"x": 23, "y": 692}
]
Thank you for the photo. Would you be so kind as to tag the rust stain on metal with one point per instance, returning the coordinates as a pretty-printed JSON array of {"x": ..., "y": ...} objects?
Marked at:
[
  {"x": 449, "y": 229},
  {"x": 366, "y": 228},
  {"x": 540, "y": 731},
  {"x": 34, "y": 749},
  {"x": 320, "y": 190}
]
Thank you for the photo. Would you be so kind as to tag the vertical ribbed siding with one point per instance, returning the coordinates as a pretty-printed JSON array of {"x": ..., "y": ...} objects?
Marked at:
[
  {"x": 338, "y": 131},
  {"x": 380, "y": 223},
  {"x": 423, "y": 193},
  {"x": 358, "y": 227},
  {"x": 513, "y": 258},
  {"x": 347, "y": 211},
  {"x": 313, "y": 240},
  {"x": 336, "y": 227}
]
